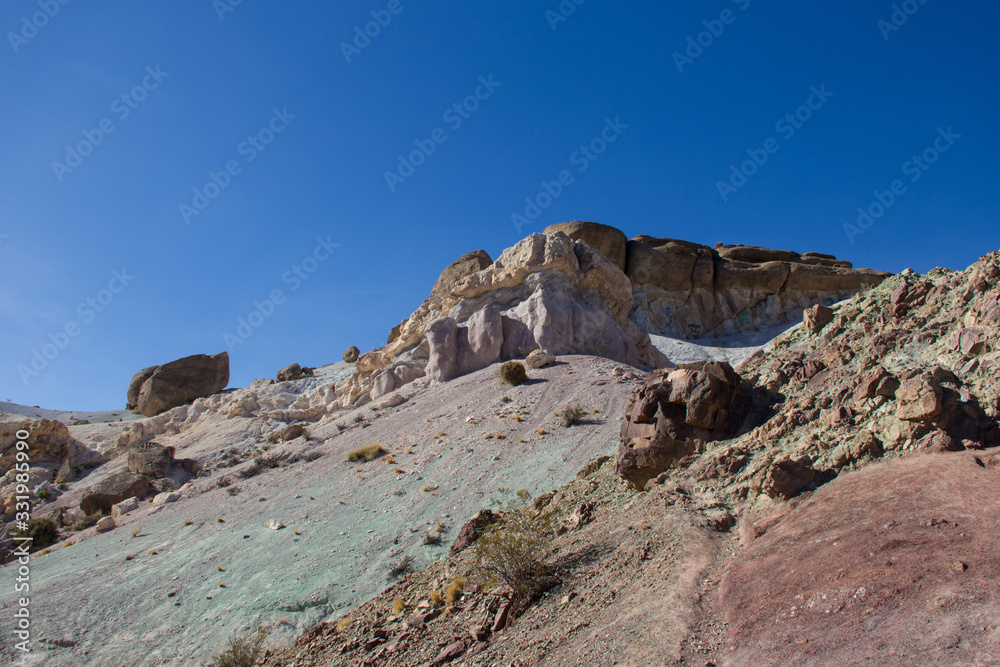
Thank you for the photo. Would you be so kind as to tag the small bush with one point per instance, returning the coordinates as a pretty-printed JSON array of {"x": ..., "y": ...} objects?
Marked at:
[
  {"x": 398, "y": 607},
  {"x": 344, "y": 623},
  {"x": 223, "y": 482},
  {"x": 513, "y": 373},
  {"x": 404, "y": 566},
  {"x": 572, "y": 415},
  {"x": 367, "y": 453},
  {"x": 436, "y": 599},
  {"x": 242, "y": 651},
  {"x": 515, "y": 550},
  {"x": 44, "y": 494},
  {"x": 42, "y": 532}
]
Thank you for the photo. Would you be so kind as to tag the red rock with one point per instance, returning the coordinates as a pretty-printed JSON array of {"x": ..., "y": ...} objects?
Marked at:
[
  {"x": 970, "y": 341},
  {"x": 857, "y": 571},
  {"x": 502, "y": 616},
  {"x": 817, "y": 317},
  {"x": 788, "y": 478}
]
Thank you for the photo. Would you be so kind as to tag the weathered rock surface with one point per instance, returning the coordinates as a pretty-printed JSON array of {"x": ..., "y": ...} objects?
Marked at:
[
  {"x": 351, "y": 354},
  {"x": 674, "y": 415},
  {"x": 606, "y": 240},
  {"x": 113, "y": 490},
  {"x": 155, "y": 391},
  {"x": 150, "y": 460},
  {"x": 48, "y": 441},
  {"x": 690, "y": 290}
]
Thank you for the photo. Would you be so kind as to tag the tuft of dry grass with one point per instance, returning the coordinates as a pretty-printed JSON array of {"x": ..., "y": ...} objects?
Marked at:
[
  {"x": 344, "y": 623},
  {"x": 436, "y": 599},
  {"x": 367, "y": 453},
  {"x": 398, "y": 607},
  {"x": 454, "y": 591}
]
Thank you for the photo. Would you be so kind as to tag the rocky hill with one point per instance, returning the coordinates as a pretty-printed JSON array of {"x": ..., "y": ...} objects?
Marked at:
[
  {"x": 831, "y": 500},
  {"x": 853, "y": 522}
]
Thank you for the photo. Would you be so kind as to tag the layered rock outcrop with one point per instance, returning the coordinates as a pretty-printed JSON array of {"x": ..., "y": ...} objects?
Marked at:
[{"x": 691, "y": 290}]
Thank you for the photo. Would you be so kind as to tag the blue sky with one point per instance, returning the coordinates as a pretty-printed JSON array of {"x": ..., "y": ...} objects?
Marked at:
[{"x": 193, "y": 89}]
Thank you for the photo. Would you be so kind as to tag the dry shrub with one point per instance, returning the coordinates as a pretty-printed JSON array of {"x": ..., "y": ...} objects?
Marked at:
[
  {"x": 513, "y": 373},
  {"x": 367, "y": 453},
  {"x": 243, "y": 651},
  {"x": 572, "y": 415},
  {"x": 515, "y": 550},
  {"x": 454, "y": 591}
]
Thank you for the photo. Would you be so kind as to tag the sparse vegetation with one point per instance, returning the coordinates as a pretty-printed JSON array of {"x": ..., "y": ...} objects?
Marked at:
[
  {"x": 367, "y": 453},
  {"x": 137, "y": 530},
  {"x": 344, "y": 623},
  {"x": 436, "y": 599},
  {"x": 514, "y": 551},
  {"x": 42, "y": 532},
  {"x": 513, "y": 373},
  {"x": 398, "y": 607},
  {"x": 403, "y": 567},
  {"x": 453, "y": 593},
  {"x": 223, "y": 482},
  {"x": 44, "y": 494},
  {"x": 243, "y": 651},
  {"x": 572, "y": 415}
]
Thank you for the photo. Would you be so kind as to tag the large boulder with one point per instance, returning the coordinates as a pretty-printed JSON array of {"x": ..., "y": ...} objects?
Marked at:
[
  {"x": 466, "y": 265},
  {"x": 606, "y": 240},
  {"x": 112, "y": 490},
  {"x": 150, "y": 459},
  {"x": 178, "y": 382},
  {"x": 351, "y": 354},
  {"x": 674, "y": 415}
]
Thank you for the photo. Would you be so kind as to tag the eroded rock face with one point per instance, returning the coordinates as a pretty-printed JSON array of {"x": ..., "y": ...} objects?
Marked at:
[
  {"x": 159, "y": 388},
  {"x": 606, "y": 240},
  {"x": 113, "y": 490},
  {"x": 48, "y": 441},
  {"x": 674, "y": 415},
  {"x": 150, "y": 459},
  {"x": 690, "y": 290}
]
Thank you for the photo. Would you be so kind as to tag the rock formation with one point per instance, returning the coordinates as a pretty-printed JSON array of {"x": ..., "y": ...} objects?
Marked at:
[
  {"x": 583, "y": 288},
  {"x": 157, "y": 389},
  {"x": 674, "y": 415},
  {"x": 690, "y": 290}
]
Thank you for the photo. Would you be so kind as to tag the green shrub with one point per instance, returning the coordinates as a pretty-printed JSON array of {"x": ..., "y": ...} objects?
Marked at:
[
  {"x": 515, "y": 550},
  {"x": 367, "y": 453},
  {"x": 242, "y": 651},
  {"x": 572, "y": 415},
  {"x": 42, "y": 532},
  {"x": 513, "y": 373}
]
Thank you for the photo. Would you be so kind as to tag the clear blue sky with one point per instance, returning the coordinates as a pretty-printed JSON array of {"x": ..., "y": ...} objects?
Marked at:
[{"x": 197, "y": 87}]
